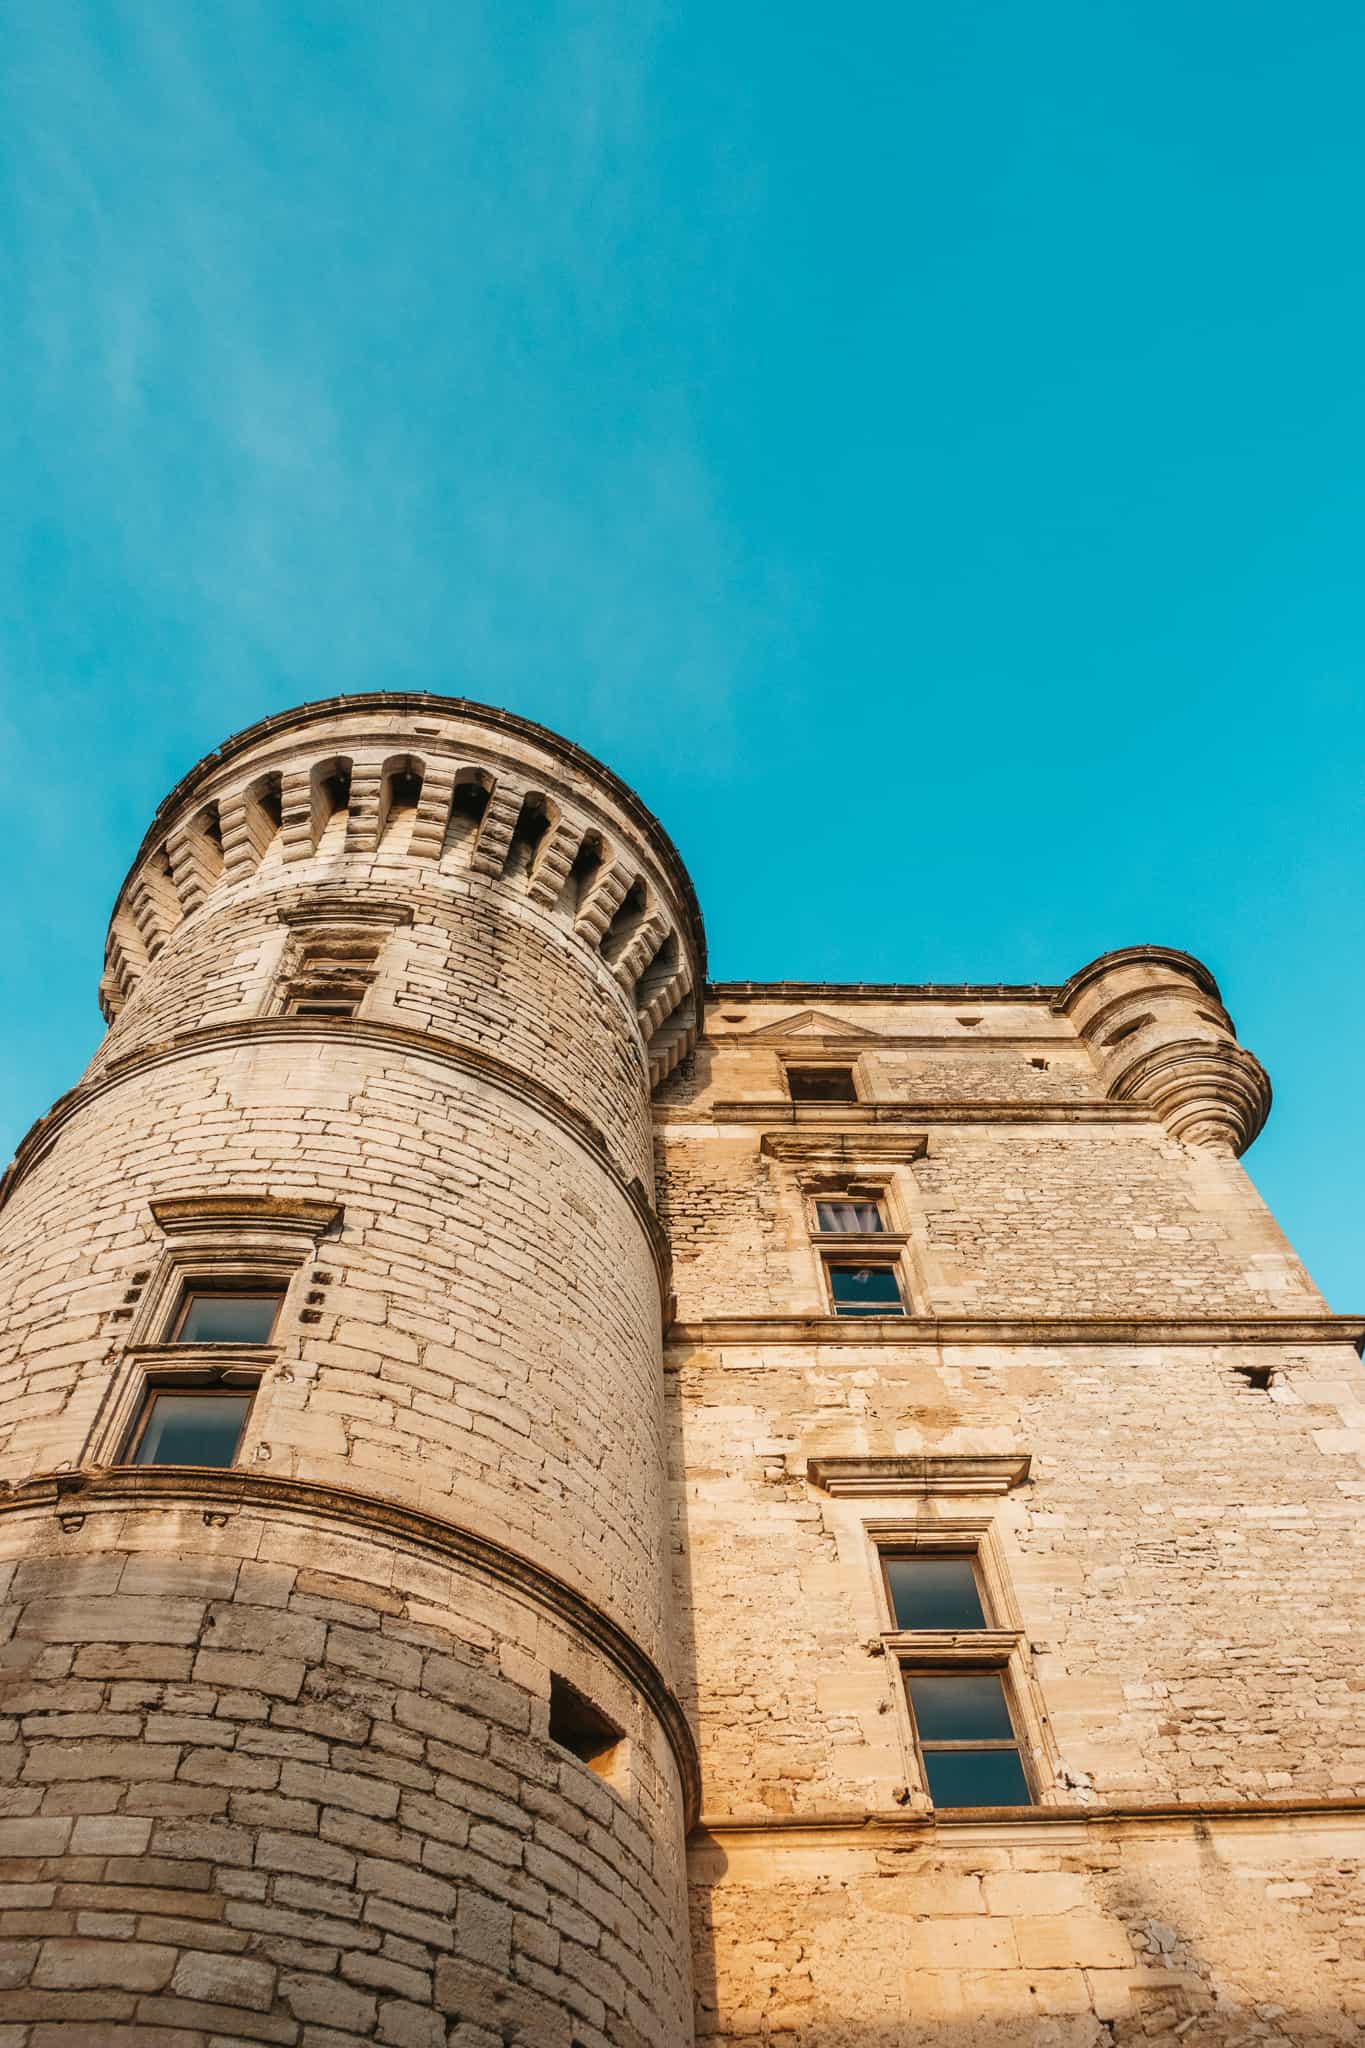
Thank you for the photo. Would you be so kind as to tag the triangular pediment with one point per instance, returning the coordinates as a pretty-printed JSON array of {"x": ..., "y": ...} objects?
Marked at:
[{"x": 812, "y": 1024}]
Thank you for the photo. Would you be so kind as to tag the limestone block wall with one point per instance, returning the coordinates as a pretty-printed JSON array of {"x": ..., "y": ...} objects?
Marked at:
[
  {"x": 1186, "y": 1559},
  {"x": 485, "y": 1341},
  {"x": 1101, "y": 1308},
  {"x": 277, "y": 1776}
]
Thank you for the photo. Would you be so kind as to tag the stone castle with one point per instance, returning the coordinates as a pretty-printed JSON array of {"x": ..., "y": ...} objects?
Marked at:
[{"x": 499, "y": 1434}]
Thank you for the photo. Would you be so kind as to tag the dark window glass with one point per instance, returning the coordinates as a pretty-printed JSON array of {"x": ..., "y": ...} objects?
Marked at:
[
  {"x": 976, "y": 1777},
  {"x": 934, "y": 1592},
  {"x": 341, "y": 1007},
  {"x": 847, "y": 1217},
  {"x": 191, "y": 1429},
  {"x": 960, "y": 1706},
  {"x": 821, "y": 1084},
  {"x": 865, "y": 1291},
  {"x": 227, "y": 1318},
  {"x": 967, "y": 1738}
]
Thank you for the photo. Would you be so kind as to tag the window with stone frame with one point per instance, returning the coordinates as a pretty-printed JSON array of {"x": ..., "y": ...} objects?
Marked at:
[
  {"x": 960, "y": 1665},
  {"x": 205, "y": 1333},
  {"x": 821, "y": 1083}
]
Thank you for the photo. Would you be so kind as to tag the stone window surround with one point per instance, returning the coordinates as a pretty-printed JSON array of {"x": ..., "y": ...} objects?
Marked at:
[
  {"x": 847, "y": 1063},
  {"x": 210, "y": 1240},
  {"x": 1000, "y": 1647},
  {"x": 333, "y": 949},
  {"x": 830, "y": 1164}
]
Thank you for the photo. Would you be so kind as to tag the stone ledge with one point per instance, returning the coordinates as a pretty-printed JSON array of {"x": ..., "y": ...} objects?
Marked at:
[
  {"x": 868, "y": 1331},
  {"x": 859, "y": 1117},
  {"x": 894, "y": 1828},
  {"x": 218, "y": 1493},
  {"x": 935, "y": 1472}
]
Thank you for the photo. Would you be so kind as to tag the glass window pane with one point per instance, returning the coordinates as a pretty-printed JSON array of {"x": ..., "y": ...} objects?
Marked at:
[
  {"x": 864, "y": 1290},
  {"x": 960, "y": 1706},
  {"x": 844, "y": 1217},
  {"x": 821, "y": 1084},
  {"x": 228, "y": 1319},
  {"x": 192, "y": 1429},
  {"x": 976, "y": 1777},
  {"x": 934, "y": 1592}
]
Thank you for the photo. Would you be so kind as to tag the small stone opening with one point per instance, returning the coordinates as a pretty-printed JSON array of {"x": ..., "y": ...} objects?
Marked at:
[
  {"x": 626, "y": 922},
  {"x": 533, "y": 822},
  {"x": 582, "y": 877},
  {"x": 1128, "y": 1030},
  {"x": 467, "y": 806},
  {"x": 583, "y": 1729}
]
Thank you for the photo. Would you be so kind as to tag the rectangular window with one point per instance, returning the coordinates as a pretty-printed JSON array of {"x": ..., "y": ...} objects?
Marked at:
[
  {"x": 220, "y": 1316},
  {"x": 933, "y": 1589},
  {"x": 847, "y": 1218},
  {"x": 190, "y": 1427},
  {"x": 821, "y": 1084},
  {"x": 967, "y": 1739},
  {"x": 317, "y": 1006},
  {"x": 865, "y": 1291}
]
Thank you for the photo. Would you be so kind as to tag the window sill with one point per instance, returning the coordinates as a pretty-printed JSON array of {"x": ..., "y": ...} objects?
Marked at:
[
  {"x": 985, "y": 1646},
  {"x": 200, "y": 1363}
]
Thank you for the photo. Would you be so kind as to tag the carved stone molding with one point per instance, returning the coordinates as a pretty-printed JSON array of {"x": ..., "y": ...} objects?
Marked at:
[
  {"x": 1016, "y": 1331},
  {"x": 845, "y": 1148},
  {"x": 919, "y": 1474},
  {"x": 210, "y": 1214}
]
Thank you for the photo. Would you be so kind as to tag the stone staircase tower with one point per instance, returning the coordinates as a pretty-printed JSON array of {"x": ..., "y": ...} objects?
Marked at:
[{"x": 333, "y": 1535}]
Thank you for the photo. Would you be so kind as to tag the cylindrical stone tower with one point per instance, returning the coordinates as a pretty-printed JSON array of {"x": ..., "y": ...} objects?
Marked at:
[{"x": 334, "y": 1534}]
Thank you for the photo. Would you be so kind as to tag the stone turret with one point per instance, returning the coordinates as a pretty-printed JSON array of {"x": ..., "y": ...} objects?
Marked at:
[
  {"x": 378, "y": 1709},
  {"x": 1155, "y": 1024}
]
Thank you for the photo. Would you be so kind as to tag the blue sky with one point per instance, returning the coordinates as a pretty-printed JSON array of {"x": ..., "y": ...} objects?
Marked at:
[{"x": 920, "y": 448}]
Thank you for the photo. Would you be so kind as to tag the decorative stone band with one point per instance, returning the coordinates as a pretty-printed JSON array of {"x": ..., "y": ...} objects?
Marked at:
[
  {"x": 854, "y": 1829},
  {"x": 868, "y": 1331},
  {"x": 39, "y": 1140},
  {"x": 113, "y": 1490},
  {"x": 864, "y": 1116},
  {"x": 1156, "y": 1027},
  {"x": 927, "y": 1473}
]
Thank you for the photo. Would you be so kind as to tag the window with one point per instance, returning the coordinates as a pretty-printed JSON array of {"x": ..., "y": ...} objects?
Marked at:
[
  {"x": 226, "y": 1316},
  {"x": 963, "y": 1674},
  {"x": 310, "y": 1006},
  {"x": 821, "y": 1084},
  {"x": 933, "y": 1590},
  {"x": 967, "y": 1739},
  {"x": 583, "y": 1729},
  {"x": 188, "y": 1426},
  {"x": 846, "y": 1217},
  {"x": 865, "y": 1291}
]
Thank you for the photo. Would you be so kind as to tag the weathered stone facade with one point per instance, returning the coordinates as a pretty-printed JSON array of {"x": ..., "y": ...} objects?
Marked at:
[{"x": 548, "y": 1573}]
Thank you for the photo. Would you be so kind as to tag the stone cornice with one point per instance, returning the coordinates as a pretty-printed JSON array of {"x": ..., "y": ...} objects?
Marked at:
[
  {"x": 201, "y": 1215},
  {"x": 1021, "y": 1331},
  {"x": 38, "y": 1141},
  {"x": 863, "y": 1116},
  {"x": 427, "y": 704},
  {"x": 919, "y": 1473},
  {"x": 895, "y": 1829},
  {"x": 120, "y": 1489},
  {"x": 841, "y": 1146},
  {"x": 880, "y": 991}
]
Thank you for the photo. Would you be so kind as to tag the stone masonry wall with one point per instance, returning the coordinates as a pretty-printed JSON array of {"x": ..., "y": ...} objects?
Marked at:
[
  {"x": 273, "y": 1782},
  {"x": 1183, "y": 1561},
  {"x": 486, "y": 1345}
]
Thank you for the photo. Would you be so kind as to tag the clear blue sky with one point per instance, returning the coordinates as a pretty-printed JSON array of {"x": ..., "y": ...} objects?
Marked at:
[{"x": 921, "y": 448}]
